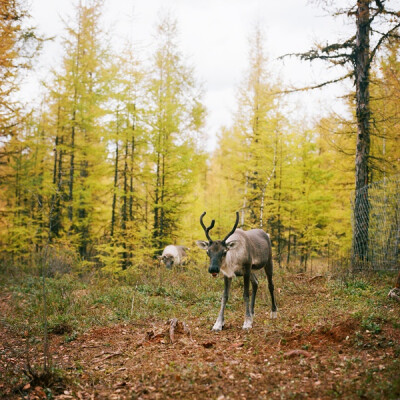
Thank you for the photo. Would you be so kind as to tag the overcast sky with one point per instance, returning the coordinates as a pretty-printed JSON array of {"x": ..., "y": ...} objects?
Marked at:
[{"x": 214, "y": 37}]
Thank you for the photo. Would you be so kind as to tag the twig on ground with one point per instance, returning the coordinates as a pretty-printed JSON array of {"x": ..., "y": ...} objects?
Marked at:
[{"x": 315, "y": 277}]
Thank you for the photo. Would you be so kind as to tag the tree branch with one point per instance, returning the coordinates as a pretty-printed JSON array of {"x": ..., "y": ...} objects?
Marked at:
[
  {"x": 349, "y": 75},
  {"x": 380, "y": 41}
]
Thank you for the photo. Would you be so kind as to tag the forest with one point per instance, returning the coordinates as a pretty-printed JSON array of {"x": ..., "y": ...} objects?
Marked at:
[{"x": 111, "y": 166}]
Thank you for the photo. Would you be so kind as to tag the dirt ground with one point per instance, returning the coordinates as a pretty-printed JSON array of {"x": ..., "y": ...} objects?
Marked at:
[{"x": 147, "y": 360}]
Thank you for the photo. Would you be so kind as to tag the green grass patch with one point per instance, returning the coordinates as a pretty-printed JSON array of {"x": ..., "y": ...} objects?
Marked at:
[{"x": 75, "y": 303}]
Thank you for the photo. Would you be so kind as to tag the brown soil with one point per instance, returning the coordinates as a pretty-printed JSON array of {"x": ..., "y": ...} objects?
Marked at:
[{"x": 139, "y": 361}]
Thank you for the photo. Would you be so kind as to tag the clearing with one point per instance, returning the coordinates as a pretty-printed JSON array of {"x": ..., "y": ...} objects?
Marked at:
[{"x": 330, "y": 340}]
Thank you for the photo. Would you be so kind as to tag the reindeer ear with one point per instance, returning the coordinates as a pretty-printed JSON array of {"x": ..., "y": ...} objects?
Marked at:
[
  {"x": 232, "y": 244},
  {"x": 202, "y": 244}
]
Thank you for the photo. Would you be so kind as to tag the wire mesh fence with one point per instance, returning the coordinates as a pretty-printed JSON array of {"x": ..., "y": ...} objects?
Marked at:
[{"x": 376, "y": 226}]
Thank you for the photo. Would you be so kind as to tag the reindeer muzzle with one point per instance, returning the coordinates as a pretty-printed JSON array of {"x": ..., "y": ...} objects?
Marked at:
[{"x": 213, "y": 270}]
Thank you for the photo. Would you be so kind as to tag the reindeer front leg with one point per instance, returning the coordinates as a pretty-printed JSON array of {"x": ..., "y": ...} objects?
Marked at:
[
  {"x": 219, "y": 323},
  {"x": 248, "y": 318}
]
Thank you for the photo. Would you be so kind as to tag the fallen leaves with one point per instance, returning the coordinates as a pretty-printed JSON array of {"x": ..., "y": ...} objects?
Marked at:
[
  {"x": 103, "y": 356},
  {"x": 208, "y": 345},
  {"x": 296, "y": 352},
  {"x": 157, "y": 359},
  {"x": 236, "y": 345},
  {"x": 315, "y": 277},
  {"x": 172, "y": 331}
]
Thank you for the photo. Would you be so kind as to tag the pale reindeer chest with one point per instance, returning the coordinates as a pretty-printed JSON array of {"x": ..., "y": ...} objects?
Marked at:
[{"x": 235, "y": 263}]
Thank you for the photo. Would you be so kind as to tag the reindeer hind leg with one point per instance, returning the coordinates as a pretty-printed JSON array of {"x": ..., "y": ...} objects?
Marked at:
[
  {"x": 268, "y": 271},
  {"x": 248, "y": 318},
  {"x": 254, "y": 285}
]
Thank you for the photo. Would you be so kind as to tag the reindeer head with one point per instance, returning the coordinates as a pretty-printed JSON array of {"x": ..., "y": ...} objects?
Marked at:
[
  {"x": 217, "y": 249},
  {"x": 168, "y": 260}
]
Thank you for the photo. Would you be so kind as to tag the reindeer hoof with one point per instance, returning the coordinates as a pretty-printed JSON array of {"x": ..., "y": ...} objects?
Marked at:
[
  {"x": 274, "y": 314},
  {"x": 247, "y": 324},
  {"x": 217, "y": 327}
]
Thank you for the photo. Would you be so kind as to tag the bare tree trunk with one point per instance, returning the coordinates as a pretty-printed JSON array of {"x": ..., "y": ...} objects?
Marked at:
[
  {"x": 156, "y": 207},
  {"x": 131, "y": 179},
  {"x": 71, "y": 170},
  {"x": 243, "y": 211},
  {"x": 363, "y": 113},
  {"x": 162, "y": 202},
  {"x": 83, "y": 227},
  {"x": 280, "y": 239},
  {"x": 289, "y": 238},
  {"x": 54, "y": 225},
  {"x": 60, "y": 191},
  {"x": 114, "y": 202},
  {"x": 132, "y": 164},
  {"x": 55, "y": 161},
  {"x": 125, "y": 206},
  {"x": 55, "y": 222},
  {"x": 288, "y": 247}
]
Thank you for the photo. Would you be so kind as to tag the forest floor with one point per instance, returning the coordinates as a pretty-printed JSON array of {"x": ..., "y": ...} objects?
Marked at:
[{"x": 348, "y": 351}]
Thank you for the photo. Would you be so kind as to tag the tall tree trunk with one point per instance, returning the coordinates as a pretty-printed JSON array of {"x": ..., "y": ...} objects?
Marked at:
[
  {"x": 288, "y": 247},
  {"x": 131, "y": 179},
  {"x": 83, "y": 211},
  {"x": 130, "y": 214},
  {"x": 71, "y": 169},
  {"x": 156, "y": 207},
  {"x": 55, "y": 223},
  {"x": 132, "y": 163},
  {"x": 125, "y": 205},
  {"x": 280, "y": 239},
  {"x": 162, "y": 202},
  {"x": 55, "y": 161},
  {"x": 244, "y": 206},
  {"x": 363, "y": 113},
  {"x": 114, "y": 202},
  {"x": 60, "y": 191}
]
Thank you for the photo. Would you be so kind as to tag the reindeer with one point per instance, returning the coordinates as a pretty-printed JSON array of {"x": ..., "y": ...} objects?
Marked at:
[
  {"x": 173, "y": 255},
  {"x": 239, "y": 254}
]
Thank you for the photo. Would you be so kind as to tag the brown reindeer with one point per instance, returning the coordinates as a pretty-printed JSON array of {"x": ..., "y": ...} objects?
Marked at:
[{"x": 239, "y": 254}]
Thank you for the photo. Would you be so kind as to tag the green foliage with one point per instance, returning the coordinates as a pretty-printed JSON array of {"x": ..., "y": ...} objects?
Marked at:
[
  {"x": 385, "y": 106},
  {"x": 112, "y": 167},
  {"x": 371, "y": 324},
  {"x": 177, "y": 117},
  {"x": 109, "y": 256},
  {"x": 279, "y": 175}
]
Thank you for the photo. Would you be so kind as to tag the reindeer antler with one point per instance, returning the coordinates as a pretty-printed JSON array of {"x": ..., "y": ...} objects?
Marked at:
[
  {"x": 234, "y": 227},
  {"x": 206, "y": 230}
]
